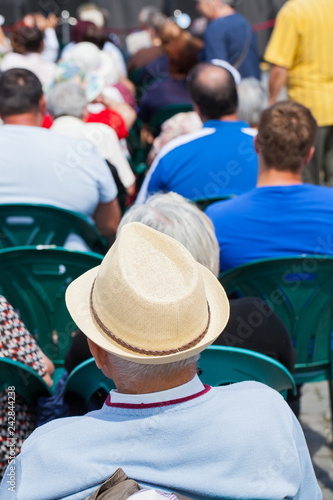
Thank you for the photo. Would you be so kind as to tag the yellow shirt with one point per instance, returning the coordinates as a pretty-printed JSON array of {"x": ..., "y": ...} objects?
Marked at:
[{"x": 302, "y": 42}]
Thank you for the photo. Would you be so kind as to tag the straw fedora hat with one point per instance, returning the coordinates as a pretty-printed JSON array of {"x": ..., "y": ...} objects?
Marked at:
[{"x": 149, "y": 301}]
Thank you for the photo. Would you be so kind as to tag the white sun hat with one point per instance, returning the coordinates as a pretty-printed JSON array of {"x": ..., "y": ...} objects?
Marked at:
[{"x": 149, "y": 301}]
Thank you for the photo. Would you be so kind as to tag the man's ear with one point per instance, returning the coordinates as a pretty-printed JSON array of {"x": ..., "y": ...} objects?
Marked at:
[
  {"x": 256, "y": 144},
  {"x": 309, "y": 155},
  {"x": 42, "y": 105},
  {"x": 99, "y": 354}
]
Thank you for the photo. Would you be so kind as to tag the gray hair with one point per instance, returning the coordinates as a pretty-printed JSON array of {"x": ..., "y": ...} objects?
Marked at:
[
  {"x": 252, "y": 100},
  {"x": 66, "y": 98},
  {"x": 177, "y": 217},
  {"x": 152, "y": 17},
  {"x": 130, "y": 372}
]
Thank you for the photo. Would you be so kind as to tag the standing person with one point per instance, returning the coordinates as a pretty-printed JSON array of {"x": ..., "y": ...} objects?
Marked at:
[
  {"x": 229, "y": 37},
  {"x": 162, "y": 425},
  {"x": 300, "y": 51}
]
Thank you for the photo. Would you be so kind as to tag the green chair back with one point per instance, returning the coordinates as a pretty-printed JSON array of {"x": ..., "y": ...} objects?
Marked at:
[
  {"x": 31, "y": 224},
  {"x": 134, "y": 75},
  {"x": 203, "y": 203},
  {"x": 220, "y": 365},
  {"x": 138, "y": 152},
  {"x": 86, "y": 379},
  {"x": 34, "y": 281},
  {"x": 26, "y": 380},
  {"x": 164, "y": 114},
  {"x": 300, "y": 291}
]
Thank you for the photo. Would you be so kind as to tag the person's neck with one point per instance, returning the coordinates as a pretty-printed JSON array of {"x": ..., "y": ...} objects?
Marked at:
[
  {"x": 226, "y": 118},
  {"x": 224, "y": 11},
  {"x": 149, "y": 385},
  {"x": 25, "y": 119},
  {"x": 275, "y": 177}
]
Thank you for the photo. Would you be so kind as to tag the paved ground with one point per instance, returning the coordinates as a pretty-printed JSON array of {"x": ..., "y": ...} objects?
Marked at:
[{"x": 316, "y": 422}]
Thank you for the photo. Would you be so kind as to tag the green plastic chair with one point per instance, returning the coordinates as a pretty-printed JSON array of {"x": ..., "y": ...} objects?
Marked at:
[
  {"x": 34, "y": 281},
  {"x": 26, "y": 380},
  {"x": 164, "y": 114},
  {"x": 300, "y": 291},
  {"x": 138, "y": 153},
  {"x": 32, "y": 224},
  {"x": 86, "y": 379},
  {"x": 134, "y": 75},
  {"x": 203, "y": 203},
  {"x": 221, "y": 365}
]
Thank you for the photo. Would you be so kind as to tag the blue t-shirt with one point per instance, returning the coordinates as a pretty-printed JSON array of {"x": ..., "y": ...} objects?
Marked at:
[
  {"x": 217, "y": 160},
  {"x": 274, "y": 221},
  {"x": 225, "y": 38}
]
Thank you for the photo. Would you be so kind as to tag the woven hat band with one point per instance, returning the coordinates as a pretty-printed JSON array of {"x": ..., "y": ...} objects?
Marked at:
[{"x": 139, "y": 350}]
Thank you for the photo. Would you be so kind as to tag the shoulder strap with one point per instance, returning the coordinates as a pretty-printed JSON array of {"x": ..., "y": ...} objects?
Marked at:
[{"x": 245, "y": 49}]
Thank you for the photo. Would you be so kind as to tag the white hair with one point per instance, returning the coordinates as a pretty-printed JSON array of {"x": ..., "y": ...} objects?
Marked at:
[
  {"x": 66, "y": 98},
  {"x": 151, "y": 17},
  {"x": 252, "y": 100},
  {"x": 177, "y": 217},
  {"x": 131, "y": 372}
]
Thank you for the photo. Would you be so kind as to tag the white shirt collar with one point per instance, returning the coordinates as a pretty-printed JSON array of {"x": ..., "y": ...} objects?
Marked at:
[{"x": 182, "y": 391}]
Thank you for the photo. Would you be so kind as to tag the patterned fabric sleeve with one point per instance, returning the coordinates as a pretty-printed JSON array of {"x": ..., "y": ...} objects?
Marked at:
[{"x": 16, "y": 342}]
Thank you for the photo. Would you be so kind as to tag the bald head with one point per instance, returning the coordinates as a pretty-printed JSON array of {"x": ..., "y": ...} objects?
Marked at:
[{"x": 213, "y": 90}]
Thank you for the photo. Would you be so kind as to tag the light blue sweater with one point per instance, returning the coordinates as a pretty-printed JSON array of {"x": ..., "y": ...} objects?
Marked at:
[{"x": 234, "y": 442}]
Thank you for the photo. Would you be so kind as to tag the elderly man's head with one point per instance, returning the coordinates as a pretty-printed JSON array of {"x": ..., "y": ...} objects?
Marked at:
[
  {"x": 181, "y": 219},
  {"x": 67, "y": 99},
  {"x": 213, "y": 91},
  {"x": 252, "y": 100},
  {"x": 148, "y": 310}
]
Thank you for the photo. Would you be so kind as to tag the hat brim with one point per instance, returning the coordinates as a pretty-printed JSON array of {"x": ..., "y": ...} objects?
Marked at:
[{"x": 78, "y": 304}]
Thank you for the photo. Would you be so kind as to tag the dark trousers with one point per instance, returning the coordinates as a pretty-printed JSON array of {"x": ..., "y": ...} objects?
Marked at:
[{"x": 320, "y": 168}]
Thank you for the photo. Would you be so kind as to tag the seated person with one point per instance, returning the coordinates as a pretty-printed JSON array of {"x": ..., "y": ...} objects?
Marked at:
[
  {"x": 67, "y": 104},
  {"x": 217, "y": 160},
  {"x": 178, "y": 124},
  {"x": 252, "y": 323},
  {"x": 158, "y": 69},
  {"x": 47, "y": 25},
  {"x": 87, "y": 64},
  {"x": 28, "y": 45},
  {"x": 91, "y": 16},
  {"x": 252, "y": 100},
  {"x": 149, "y": 423},
  {"x": 18, "y": 344},
  {"x": 183, "y": 53},
  {"x": 151, "y": 21},
  {"x": 282, "y": 216},
  {"x": 41, "y": 166}
]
